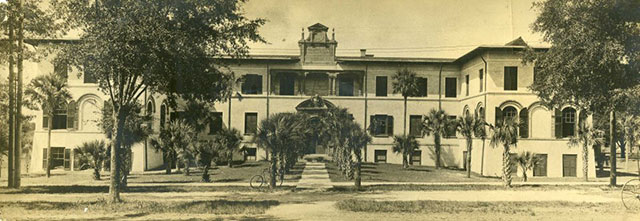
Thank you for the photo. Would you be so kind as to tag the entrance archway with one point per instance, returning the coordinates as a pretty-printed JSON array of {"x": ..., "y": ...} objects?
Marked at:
[{"x": 315, "y": 106}]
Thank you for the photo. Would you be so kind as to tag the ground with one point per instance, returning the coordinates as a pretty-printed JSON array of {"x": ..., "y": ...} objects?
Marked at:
[{"x": 154, "y": 196}]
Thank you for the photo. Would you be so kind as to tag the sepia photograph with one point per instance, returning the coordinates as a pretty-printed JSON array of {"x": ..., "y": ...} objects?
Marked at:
[{"x": 319, "y": 110}]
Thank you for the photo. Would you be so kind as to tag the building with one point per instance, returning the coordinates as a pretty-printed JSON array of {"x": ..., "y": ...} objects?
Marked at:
[{"x": 489, "y": 81}]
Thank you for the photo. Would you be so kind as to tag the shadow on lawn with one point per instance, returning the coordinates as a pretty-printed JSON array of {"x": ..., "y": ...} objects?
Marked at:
[{"x": 130, "y": 189}]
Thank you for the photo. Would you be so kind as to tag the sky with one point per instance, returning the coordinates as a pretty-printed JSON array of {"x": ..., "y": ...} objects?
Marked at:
[{"x": 400, "y": 28}]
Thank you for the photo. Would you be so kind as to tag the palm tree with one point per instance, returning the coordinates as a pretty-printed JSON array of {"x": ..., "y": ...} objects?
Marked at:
[
  {"x": 277, "y": 133},
  {"x": 405, "y": 145},
  {"x": 405, "y": 82},
  {"x": 177, "y": 139},
  {"x": 587, "y": 136},
  {"x": 436, "y": 123},
  {"x": 527, "y": 161},
  {"x": 229, "y": 141},
  {"x": 357, "y": 140},
  {"x": 96, "y": 153},
  {"x": 505, "y": 133},
  {"x": 206, "y": 150},
  {"x": 50, "y": 92},
  {"x": 469, "y": 126}
]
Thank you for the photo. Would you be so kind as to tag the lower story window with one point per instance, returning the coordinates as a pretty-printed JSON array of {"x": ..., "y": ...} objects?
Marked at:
[
  {"x": 250, "y": 154},
  {"x": 540, "y": 168},
  {"x": 60, "y": 157},
  {"x": 416, "y": 157},
  {"x": 381, "y": 156},
  {"x": 569, "y": 165}
]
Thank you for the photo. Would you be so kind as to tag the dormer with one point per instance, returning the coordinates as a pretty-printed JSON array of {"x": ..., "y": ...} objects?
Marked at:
[{"x": 317, "y": 48}]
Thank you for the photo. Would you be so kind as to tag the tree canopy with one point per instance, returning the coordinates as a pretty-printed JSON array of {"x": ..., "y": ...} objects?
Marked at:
[{"x": 594, "y": 53}]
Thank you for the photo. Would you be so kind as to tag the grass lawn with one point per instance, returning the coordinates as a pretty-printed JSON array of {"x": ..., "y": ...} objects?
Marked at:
[
  {"x": 383, "y": 172},
  {"x": 556, "y": 210},
  {"x": 220, "y": 174},
  {"x": 464, "y": 187}
]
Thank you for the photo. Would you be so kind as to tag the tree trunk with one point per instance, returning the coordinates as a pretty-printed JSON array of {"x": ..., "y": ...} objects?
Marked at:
[
  {"x": 18, "y": 117},
  {"x": 506, "y": 167},
  {"x": 585, "y": 161},
  {"x": 186, "y": 167},
  {"x": 10, "y": 141},
  {"x": 272, "y": 179},
  {"x": 230, "y": 159},
  {"x": 524, "y": 175},
  {"x": 612, "y": 144},
  {"x": 405, "y": 162},
  {"x": 49, "y": 155},
  {"x": 358, "y": 175},
  {"x": 96, "y": 173},
  {"x": 169, "y": 157},
  {"x": 114, "y": 187},
  {"x": 469, "y": 157},
  {"x": 205, "y": 172},
  {"x": 436, "y": 138}
]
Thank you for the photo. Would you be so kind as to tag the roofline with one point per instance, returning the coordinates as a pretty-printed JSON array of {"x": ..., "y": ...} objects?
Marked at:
[
  {"x": 394, "y": 59},
  {"x": 482, "y": 48}
]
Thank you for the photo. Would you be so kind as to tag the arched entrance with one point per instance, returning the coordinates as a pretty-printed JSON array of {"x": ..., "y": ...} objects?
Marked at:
[{"x": 316, "y": 106}]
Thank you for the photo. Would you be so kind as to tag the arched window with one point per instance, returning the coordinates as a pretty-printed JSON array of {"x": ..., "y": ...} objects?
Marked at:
[
  {"x": 524, "y": 123},
  {"x": 163, "y": 115},
  {"x": 568, "y": 122},
  {"x": 509, "y": 112},
  {"x": 480, "y": 113}
]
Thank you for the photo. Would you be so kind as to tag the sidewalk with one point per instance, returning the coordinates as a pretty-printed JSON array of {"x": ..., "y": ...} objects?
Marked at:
[{"x": 315, "y": 176}]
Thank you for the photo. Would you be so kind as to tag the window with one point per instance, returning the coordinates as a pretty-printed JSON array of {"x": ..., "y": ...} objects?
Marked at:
[
  {"x": 415, "y": 125},
  {"x": 89, "y": 76},
  {"x": 569, "y": 165},
  {"x": 215, "y": 123},
  {"x": 345, "y": 86},
  {"x": 150, "y": 112},
  {"x": 163, "y": 115},
  {"x": 509, "y": 112},
  {"x": 381, "y": 86},
  {"x": 59, "y": 119},
  {"x": 416, "y": 158},
  {"x": 57, "y": 157},
  {"x": 481, "y": 74},
  {"x": 451, "y": 89},
  {"x": 466, "y": 81},
  {"x": 287, "y": 84},
  {"x": 540, "y": 168},
  {"x": 250, "y": 154},
  {"x": 382, "y": 125},
  {"x": 565, "y": 122},
  {"x": 510, "y": 78},
  {"x": 252, "y": 84},
  {"x": 61, "y": 68},
  {"x": 451, "y": 128},
  {"x": 524, "y": 123},
  {"x": 422, "y": 87},
  {"x": 250, "y": 123},
  {"x": 380, "y": 156}
]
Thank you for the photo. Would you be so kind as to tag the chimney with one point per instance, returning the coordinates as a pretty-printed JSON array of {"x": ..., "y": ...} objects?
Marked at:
[{"x": 363, "y": 53}]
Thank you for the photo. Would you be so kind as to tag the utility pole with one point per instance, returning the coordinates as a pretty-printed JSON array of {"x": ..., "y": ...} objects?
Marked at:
[{"x": 11, "y": 140}]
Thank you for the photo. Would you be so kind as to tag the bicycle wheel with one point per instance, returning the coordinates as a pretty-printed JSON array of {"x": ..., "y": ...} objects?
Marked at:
[
  {"x": 256, "y": 181},
  {"x": 631, "y": 194}
]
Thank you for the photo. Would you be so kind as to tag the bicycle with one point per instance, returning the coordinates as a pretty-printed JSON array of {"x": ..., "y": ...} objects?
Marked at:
[
  {"x": 630, "y": 194},
  {"x": 259, "y": 180}
]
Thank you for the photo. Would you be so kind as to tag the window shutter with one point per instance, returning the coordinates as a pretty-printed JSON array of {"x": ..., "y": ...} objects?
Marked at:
[
  {"x": 498, "y": 115},
  {"x": 259, "y": 83},
  {"x": 558, "y": 123},
  {"x": 45, "y": 121},
  {"x": 72, "y": 115},
  {"x": 390, "y": 125},
  {"x": 372, "y": 126},
  {"x": 44, "y": 158},
  {"x": 524, "y": 123},
  {"x": 67, "y": 159},
  {"x": 507, "y": 78}
]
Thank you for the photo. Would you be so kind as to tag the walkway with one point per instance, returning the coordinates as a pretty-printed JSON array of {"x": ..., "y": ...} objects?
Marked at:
[{"x": 315, "y": 176}]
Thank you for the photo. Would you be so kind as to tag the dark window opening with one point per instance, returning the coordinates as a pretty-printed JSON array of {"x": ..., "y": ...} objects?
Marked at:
[
  {"x": 287, "y": 84},
  {"x": 451, "y": 127},
  {"x": 568, "y": 122},
  {"x": 422, "y": 87},
  {"x": 569, "y": 165},
  {"x": 540, "y": 168},
  {"x": 466, "y": 81},
  {"x": 215, "y": 123},
  {"x": 163, "y": 115},
  {"x": 524, "y": 123},
  {"x": 345, "y": 86},
  {"x": 415, "y": 125},
  {"x": 382, "y": 125},
  {"x": 416, "y": 157},
  {"x": 451, "y": 87},
  {"x": 59, "y": 119},
  {"x": 380, "y": 156},
  {"x": 509, "y": 112},
  {"x": 481, "y": 74},
  {"x": 510, "y": 78},
  {"x": 252, "y": 84},
  {"x": 381, "y": 86},
  {"x": 250, "y": 123},
  {"x": 61, "y": 69},
  {"x": 250, "y": 154}
]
